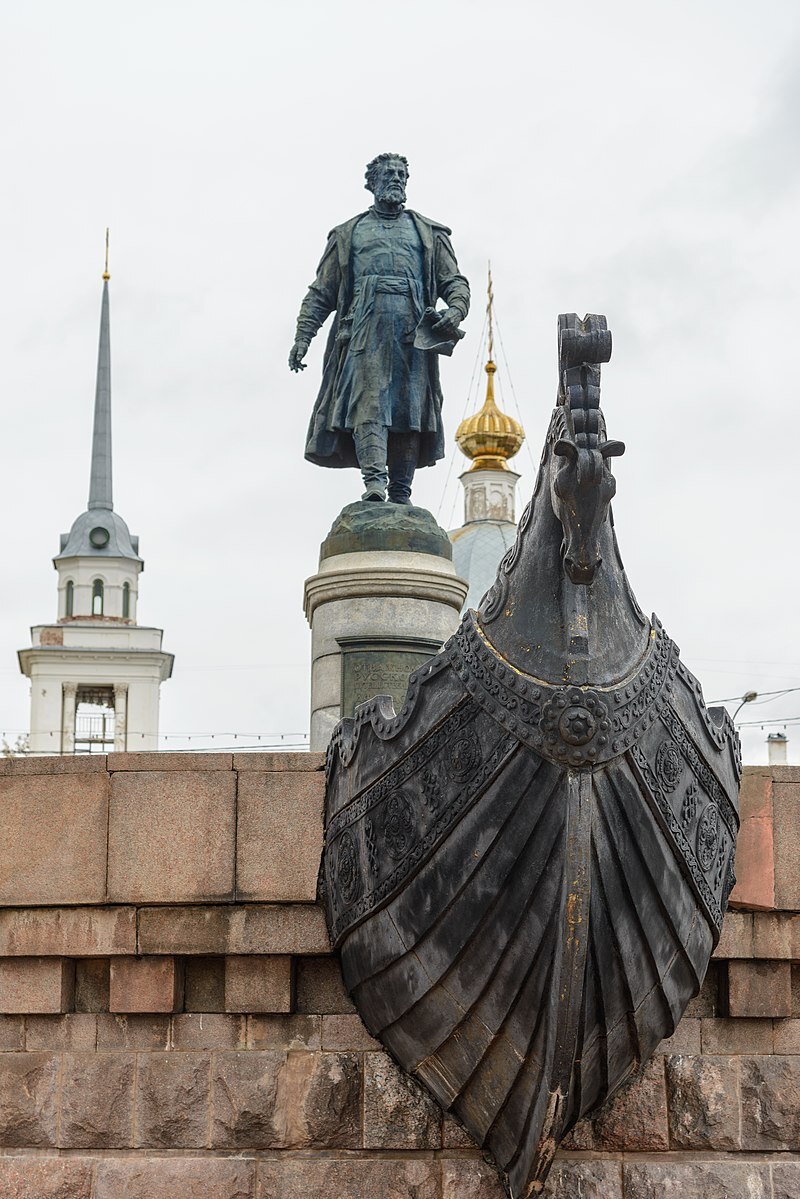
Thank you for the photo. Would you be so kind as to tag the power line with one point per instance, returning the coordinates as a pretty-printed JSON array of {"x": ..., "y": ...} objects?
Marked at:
[
  {"x": 195, "y": 749},
  {"x": 749, "y": 724},
  {"x": 160, "y": 733},
  {"x": 513, "y": 394},
  {"x": 453, "y": 448},
  {"x": 763, "y": 697}
]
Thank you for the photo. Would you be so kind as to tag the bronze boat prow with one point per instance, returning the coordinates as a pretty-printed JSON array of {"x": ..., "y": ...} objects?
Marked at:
[{"x": 526, "y": 869}]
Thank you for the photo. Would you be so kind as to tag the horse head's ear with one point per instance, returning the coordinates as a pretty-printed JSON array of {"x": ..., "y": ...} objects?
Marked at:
[
  {"x": 565, "y": 449},
  {"x": 612, "y": 449}
]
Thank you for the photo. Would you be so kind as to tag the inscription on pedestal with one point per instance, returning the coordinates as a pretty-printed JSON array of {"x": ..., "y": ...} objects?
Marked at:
[{"x": 382, "y": 667}]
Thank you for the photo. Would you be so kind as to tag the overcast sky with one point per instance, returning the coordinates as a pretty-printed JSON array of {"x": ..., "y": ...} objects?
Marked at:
[{"x": 634, "y": 159}]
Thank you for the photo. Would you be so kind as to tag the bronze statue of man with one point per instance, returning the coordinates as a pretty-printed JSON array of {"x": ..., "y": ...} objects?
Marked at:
[{"x": 380, "y": 403}]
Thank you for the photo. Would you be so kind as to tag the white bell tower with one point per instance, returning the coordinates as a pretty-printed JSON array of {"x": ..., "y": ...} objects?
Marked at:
[{"x": 96, "y": 674}]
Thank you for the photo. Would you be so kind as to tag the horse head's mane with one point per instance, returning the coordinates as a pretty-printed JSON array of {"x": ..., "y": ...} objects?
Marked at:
[{"x": 583, "y": 346}]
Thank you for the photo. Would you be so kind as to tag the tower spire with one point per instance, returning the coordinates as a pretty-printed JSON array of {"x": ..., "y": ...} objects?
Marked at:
[
  {"x": 489, "y": 437},
  {"x": 100, "y": 494},
  {"x": 490, "y": 314}
]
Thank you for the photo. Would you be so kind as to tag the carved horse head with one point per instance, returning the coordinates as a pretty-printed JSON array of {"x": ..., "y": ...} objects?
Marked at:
[
  {"x": 581, "y": 489},
  {"x": 581, "y": 483}
]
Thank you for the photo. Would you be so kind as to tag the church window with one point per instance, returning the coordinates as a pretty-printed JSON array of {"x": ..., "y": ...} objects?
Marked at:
[
  {"x": 126, "y": 601},
  {"x": 70, "y": 598},
  {"x": 97, "y": 597}
]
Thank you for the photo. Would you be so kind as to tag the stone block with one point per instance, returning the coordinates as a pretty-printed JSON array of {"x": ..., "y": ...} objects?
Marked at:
[
  {"x": 696, "y": 1180},
  {"x": 198, "y": 1030},
  {"x": 574, "y": 1179},
  {"x": 132, "y": 1032},
  {"x": 686, "y": 1038},
  {"x": 279, "y": 761},
  {"x": 770, "y": 1088},
  {"x": 28, "y": 1108},
  {"x": 290, "y": 1100},
  {"x": 28, "y": 1177},
  {"x": 755, "y": 871},
  {"x": 322, "y": 724},
  {"x": 297, "y": 928},
  {"x": 736, "y": 1036},
  {"x": 12, "y": 1034},
  {"x": 204, "y": 984},
  {"x": 173, "y": 1095},
  {"x": 67, "y": 932},
  {"x": 326, "y": 681},
  {"x": 703, "y": 1102},
  {"x": 736, "y": 940},
  {"x": 36, "y": 985},
  {"x": 354, "y": 1178},
  {"x": 398, "y": 1114},
  {"x": 155, "y": 761},
  {"x": 320, "y": 987},
  {"x": 408, "y": 615},
  {"x": 279, "y": 835},
  {"x": 755, "y": 868},
  {"x": 171, "y": 836},
  {"x": 781, "y": 773},
  {"x": 759, "y": 989},
  {"x": 258, "y": 983},
  {"x": 244, "y": 1096},
  {"x": 785, "y": 1180},
  {"x": 148, "y": 984},
  {"x": 174, "y": 1178},
  {"x": 706, "y": 1002},
  {"x": 466, "y": 1178},
  {"x": 347, "y": 1032},
  {"x": 580, "y": 1138},
  {"x": 73, "y": 1031},
  {"x": 786, "y": 1036},
  {"x": 776, "y": 935},
  {"x": 786, "y": 808},
  {"x": 65, "y": 817},
  {"x": 92, "y": 984},
  {"x": 454, "y": 1136},
  {"x": 286, "y": 1032},
  {"x": 755, "y": 792},
  {"x": 57, "y": 764},
  {"x": 319, "y": 1101},
  {"x": 97, "y": 1100},
  {"x": 635, "y": 1119}
]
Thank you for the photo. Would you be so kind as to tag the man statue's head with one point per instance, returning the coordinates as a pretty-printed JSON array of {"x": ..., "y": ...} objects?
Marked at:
[{"x": 386, "y": 179}]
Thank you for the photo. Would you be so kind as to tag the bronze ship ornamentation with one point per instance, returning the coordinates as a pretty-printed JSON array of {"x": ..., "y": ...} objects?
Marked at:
[{"x": 526, "y": 869}]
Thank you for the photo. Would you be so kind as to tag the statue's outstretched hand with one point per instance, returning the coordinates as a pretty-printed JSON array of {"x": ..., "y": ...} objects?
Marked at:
[
  {"x": 448, "y": 322},
  {"x": 297, "y": 354}
]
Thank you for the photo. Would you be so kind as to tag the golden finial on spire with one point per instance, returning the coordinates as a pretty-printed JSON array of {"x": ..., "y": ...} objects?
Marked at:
[
  {"x": 490, "y": 437},
  {"x": 106, "y": 275}
]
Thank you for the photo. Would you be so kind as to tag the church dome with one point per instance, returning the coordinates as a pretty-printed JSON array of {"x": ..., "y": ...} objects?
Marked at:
[
  {"x": 477, "y": 549},
  {"x": 490, "y": 437},
  {"x": 99, "y": 533}
]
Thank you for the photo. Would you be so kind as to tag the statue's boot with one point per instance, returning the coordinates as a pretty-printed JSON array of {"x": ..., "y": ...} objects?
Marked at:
[
  {"x": 403, "y": 455},
  {"x": 370, "y": 440}
]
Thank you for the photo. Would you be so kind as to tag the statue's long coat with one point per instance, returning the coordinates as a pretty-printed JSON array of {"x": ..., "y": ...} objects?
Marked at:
[{"x": 332, "y": 291}]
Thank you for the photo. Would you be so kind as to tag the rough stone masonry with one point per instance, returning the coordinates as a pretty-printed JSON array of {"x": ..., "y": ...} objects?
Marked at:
[{"x": 173, "y": 1022}]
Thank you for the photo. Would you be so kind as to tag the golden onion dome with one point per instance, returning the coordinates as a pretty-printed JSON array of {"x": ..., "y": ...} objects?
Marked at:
[{"x": 490, "y": 437}]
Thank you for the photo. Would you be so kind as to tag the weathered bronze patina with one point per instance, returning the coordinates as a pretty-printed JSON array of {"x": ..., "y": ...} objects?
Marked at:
[
  {"x": 527, "y": 867},
  {"x": 382, "y": 273}
]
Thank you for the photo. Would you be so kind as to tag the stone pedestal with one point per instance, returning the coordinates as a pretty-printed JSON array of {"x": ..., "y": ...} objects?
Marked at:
[{"x": 385, "y": 598}]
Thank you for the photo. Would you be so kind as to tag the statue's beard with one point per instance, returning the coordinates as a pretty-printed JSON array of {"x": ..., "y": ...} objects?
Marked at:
[{"x": 390, "y": 195}]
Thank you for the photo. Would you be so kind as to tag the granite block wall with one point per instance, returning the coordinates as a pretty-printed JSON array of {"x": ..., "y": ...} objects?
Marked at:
[{"x": 172, "y": 1022}]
